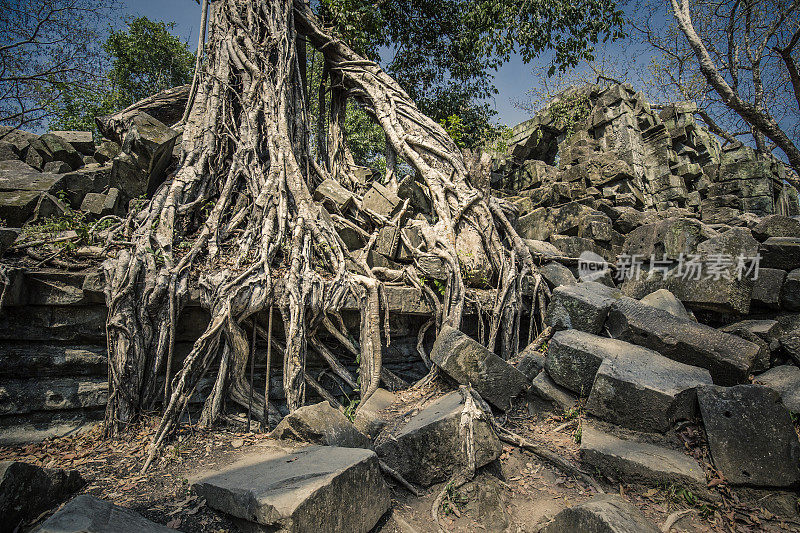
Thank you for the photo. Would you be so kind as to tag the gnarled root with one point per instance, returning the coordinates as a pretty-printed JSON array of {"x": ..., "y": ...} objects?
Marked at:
[{"x": 239, "y": 221}]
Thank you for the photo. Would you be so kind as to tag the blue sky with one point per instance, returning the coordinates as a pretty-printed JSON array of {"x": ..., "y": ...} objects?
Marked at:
[{"x": 512, "y": 81}]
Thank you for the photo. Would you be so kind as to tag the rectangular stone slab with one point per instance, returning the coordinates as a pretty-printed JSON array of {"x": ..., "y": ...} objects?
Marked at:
[
  {"x": 729, "y": 358},
  {"x": 312, "y": 488},
  {"x": 583, "y": 306},
  {"x": 429, "y": 446},
  {"x": 573, "y": 357},
  {"x": 750, "y": 435},
  {"x": 645, "y": 393},
  {"x": 468, "y": 362},
  {"x": 629, "y": 460}
]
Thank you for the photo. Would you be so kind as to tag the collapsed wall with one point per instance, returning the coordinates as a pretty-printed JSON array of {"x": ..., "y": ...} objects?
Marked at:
[
  {"x": 598, "y": 170},
  {"x": 609, "y": 147}
]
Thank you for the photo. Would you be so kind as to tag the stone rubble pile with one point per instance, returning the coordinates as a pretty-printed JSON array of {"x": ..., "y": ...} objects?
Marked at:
[{"x": 44, "y": 176}]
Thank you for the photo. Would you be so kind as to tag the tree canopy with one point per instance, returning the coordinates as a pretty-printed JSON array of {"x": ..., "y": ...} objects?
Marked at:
[
  {"x": 444, "y": 52},
  {"x": 140, "y": 59},
  {"x": 48, "y": 46}
]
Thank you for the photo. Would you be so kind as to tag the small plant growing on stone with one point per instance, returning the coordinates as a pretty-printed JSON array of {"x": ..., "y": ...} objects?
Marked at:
[
  {"x": 453, "y": 500},
  {"x": 350, "y": 410}
]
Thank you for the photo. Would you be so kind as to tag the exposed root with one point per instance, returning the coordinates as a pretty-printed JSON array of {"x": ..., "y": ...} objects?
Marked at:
[{"x": 238, "y": 220}]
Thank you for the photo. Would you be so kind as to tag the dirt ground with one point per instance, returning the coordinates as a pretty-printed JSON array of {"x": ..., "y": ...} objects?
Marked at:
[{"x": 519, "y": 492}]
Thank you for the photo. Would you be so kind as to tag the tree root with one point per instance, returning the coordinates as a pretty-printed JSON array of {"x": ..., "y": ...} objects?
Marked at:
[{"x": 239, "y": 221}]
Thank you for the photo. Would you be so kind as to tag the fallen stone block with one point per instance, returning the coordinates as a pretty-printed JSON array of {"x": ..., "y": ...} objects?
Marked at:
[
  {"x": 776, "y": 226},
  {"x": 583, "y": 306},
  {"x": 789, "y": 344},
  {"x": 666, "y": 301},
  {"x": 531, "y": 362},
  {"x": 750, "y": 435},
  {"x": 781, "y": 252},
  {"x": 468, "y": 362},
  {"x": 48, "y": 206},
  {"x": 332, "y": 193},
  {"x": 545, "y": 388},
  {"x": 543, "y": 222},
  {"x": 19, "y": 176},
  {"x": 785, "y": 380},
  {"x": 369, "y": 418},
  {"x": 762, "y": 360},
  {"x": 19, "y": 138},
  {"x": 146, "y": 153},
  {"x": 556, "y": 274},
  {"x": 767, "y": 287},
  {"x": 667, "y": 238},
  {"x": 542, "y": 249},
  {"x": 573, "y": 246},
  {"x": 380, "y": 200},
  {"x": 100, "y": 205},
  {"x": 87, "y": 514},
  {"x": 728, "y": 357},
  {"x": 320, "y": 424},
  {"x": 429, "y": 447},
  {"x": 574, "y": 356},
  {"x": 790, "y": 292},
  {"x": 82, "y": 141},
  {"x": 17, "y": 207},
  {"x": 57, "y": 167},
  {"x": 7, "y": 238},
  {"x": 107, "y": 151},
  {"x": 645, "y": 393},
  {"x": 767, "y": 330},
  {"x": 8, "y": 152},
  {"x": 85, "y": 180},
  {"x": 629, "y": 460},
  {"x": 49, "y": 148},
  {"x": 27, "y": 490},
  {"x": 313, "y": 488},
  {"x": 607, "y": 513}
]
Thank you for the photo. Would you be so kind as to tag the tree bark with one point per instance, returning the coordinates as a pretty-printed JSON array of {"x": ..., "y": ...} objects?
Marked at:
[
  {"x": 242, "y": 202},
  {"x": 761, "y": 120}
]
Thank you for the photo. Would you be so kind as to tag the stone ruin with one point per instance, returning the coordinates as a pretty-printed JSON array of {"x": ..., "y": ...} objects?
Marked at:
[{"x": 598, "y": 177}]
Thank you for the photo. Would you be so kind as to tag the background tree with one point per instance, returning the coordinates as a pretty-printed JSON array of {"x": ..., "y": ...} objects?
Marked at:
[
  {"x": 444, "y": 52},
  {"x": 737, "y": 60},
  {"x": 48, "y": 47},
  {"x": 138, "y": 60},
  {"x": 145, "y": 59}
]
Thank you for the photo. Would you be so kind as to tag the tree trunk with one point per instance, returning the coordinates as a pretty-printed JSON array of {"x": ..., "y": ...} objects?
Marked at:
[{"x": 242, "y": 203}]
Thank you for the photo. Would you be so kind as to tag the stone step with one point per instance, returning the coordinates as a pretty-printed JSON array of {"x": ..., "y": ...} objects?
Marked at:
[
  {"x": 87, "y": 514},
  {"x": 629, "y": 460},
  {"x": 312, "y": 488},
  {"x": 429, "y": 447}
]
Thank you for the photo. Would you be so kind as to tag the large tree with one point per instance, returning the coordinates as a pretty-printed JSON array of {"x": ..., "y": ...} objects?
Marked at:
[{"x": 238, "y": 221}]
